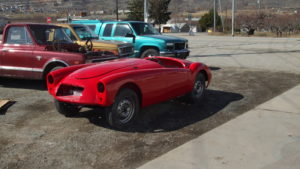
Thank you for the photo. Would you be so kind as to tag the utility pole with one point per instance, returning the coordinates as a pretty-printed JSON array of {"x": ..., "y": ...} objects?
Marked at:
[
  {"x": 215, "y": 16},
  {"x": 145, "y": 11},
  {"x": 233, "y": 15},
  {"x": 220, "y": 14},
  {"x": 117, "y": 9}
]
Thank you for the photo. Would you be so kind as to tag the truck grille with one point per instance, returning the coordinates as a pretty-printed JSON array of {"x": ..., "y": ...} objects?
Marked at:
[
  {"x": 179, "y": 46},
  {"x": 126, "y": 51}
]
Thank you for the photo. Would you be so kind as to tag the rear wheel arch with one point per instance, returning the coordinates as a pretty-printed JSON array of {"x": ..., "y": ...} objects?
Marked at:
[{"x": 135, "y": 88}]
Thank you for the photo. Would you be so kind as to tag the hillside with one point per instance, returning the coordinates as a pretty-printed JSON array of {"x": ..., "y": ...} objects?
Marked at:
[{"x": 185, "y": 5}]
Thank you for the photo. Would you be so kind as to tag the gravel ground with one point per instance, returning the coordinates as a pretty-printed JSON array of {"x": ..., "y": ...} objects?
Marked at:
[
  {"x": 246, "y": 73},
  {"x": 34, "y": 135}
]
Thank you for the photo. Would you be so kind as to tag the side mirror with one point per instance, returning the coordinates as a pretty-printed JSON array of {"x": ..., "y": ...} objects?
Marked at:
[{"x": 131, "y": 35}]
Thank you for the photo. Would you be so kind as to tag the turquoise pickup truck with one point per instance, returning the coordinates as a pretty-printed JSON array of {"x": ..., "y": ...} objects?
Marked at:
[{"x": 146, "y": 39}]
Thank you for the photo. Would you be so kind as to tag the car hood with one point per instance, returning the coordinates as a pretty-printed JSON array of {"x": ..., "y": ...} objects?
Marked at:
[
  {"x": 104, "y": 68},
  {"x": 167, "y": 38}
]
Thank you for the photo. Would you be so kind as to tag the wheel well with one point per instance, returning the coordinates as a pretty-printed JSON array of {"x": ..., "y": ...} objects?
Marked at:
[
  {"x": 148, "y": 47},
  {"x": 133, "y": 87},
  {"x": 51, "y": 66},
  {"x": 205, "y": 74}
]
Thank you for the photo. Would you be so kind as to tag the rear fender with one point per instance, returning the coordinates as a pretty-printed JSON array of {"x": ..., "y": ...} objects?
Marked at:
[
  {"x": 53, "y": 78},
  {"x": 114, "y": 83}
]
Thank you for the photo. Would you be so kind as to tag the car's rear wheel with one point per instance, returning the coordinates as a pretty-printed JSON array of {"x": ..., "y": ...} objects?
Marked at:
[
  {"x": 66, "y": 109},
  {"x": 124, "y": 110},
  {"x": 197, "y": 94},
  {"x": 149, "y": 52}
]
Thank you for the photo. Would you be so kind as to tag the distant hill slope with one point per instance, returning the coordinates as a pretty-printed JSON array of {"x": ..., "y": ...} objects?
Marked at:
[{"x": 176, "y": 5}]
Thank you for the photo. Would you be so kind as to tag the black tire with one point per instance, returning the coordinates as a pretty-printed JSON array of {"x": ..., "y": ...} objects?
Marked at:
[
  {"x": 124, "y": 110},
  {"x": 197, "y": 94},
  {"x": 55, "y": 68},
  {"x": 149, "y": 52},
  {"x": 66, "y": 109}
]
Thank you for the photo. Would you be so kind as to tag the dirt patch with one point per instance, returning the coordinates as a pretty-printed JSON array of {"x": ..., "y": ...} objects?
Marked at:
[{"x": 34, "y": 135}]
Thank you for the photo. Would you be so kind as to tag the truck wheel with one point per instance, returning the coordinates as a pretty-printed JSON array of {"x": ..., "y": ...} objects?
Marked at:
[
  {"x": 149, "y": 52},
  {"x": 66, "y": 109},
  {"x": 197, "y": 94},
  {"x": 124, "y": 110}
]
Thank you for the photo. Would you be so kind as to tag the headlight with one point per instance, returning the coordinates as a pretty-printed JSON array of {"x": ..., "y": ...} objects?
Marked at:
[{"x": 170, "y": 44}]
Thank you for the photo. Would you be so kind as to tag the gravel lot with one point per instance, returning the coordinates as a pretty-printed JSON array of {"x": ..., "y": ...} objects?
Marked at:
[{"x": 34, "y": 135}]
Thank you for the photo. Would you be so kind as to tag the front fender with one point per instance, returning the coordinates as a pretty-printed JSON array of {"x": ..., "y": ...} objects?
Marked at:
[{"x": 197, "y": 67}]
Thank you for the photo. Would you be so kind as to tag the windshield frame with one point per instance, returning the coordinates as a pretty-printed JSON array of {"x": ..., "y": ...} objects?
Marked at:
[
  {"x": 137, "y": 25},
  {"x": 91, "y": 33},
  {"x": 40, "y": 36}
]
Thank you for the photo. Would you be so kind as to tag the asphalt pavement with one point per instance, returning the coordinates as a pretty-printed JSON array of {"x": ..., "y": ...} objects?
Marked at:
[{"x": 266, "y": 137}]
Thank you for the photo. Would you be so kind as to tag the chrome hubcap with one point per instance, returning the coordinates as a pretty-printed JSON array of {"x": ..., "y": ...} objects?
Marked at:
[
  {"x": 198, "y": 88},
  {"x": 125, "y": 110}
]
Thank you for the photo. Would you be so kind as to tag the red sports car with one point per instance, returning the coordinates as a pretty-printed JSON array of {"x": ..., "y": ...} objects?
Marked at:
[{"x": 124, "y": 86}]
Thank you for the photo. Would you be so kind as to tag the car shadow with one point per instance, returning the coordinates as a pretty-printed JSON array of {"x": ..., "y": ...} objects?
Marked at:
[
  {"x": 22, "y": 83},
  {"x": 171, "y": 115}
]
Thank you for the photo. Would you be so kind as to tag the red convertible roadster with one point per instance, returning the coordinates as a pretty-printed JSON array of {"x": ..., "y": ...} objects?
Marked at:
[{"x": 124, "y": 86}]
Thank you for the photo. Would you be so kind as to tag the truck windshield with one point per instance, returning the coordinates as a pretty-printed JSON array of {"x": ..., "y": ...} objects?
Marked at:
[
  {"x": 84, "y": 32},
  {"x": 48, "y": 34},
  {"x": 144, "y": 29}
]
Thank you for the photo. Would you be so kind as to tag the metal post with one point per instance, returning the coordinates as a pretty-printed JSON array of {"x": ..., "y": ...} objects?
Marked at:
[
  {"x": 233, "y": 13},
  {"x": 145, "y": 11},
  {"x": 117, "y": 9},
  {"x": 220, "y": 13},
  {"x": 214, "y": 15}
]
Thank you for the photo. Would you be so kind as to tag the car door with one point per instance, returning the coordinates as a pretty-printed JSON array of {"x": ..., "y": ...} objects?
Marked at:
[
  {"x": 164, "y": 84},
  {"x": 106, "y": 32},
  {"x": 17, "y": 53}
]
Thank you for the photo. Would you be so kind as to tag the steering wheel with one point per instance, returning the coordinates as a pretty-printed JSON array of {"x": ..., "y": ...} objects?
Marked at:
[{"x": 88, "y": 45}]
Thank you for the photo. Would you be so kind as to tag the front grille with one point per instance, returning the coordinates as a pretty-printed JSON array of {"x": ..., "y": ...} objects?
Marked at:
[
  {"x": 179, "y": 46},
  {"x": 68, "y": 90},
  {"x": 126, "y": 50}
]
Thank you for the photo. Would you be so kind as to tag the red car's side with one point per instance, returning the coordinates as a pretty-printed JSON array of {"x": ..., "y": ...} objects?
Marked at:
[{"x": 152, "y": 80}]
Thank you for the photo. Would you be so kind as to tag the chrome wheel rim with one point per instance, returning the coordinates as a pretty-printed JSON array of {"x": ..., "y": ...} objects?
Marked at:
[
  {"x": 125, "y": 110},
  {"x": 198, "y": 89}
]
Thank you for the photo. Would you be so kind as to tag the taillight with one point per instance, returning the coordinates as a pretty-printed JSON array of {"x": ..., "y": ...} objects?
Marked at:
[
  {"x": 50, "y": 79},
  {"x": 100, "y": 87}
]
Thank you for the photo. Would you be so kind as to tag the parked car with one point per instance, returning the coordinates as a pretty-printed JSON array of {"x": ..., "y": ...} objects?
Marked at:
[
  {"x": 32, "y": 51},
  {"x": 124, "y": 86},
  {"x": 80, "y": 34},
  {"x": 146, "y": 39}
]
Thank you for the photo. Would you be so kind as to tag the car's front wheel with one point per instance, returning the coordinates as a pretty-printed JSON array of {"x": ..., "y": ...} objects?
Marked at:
[
  {"x": 197, "y": 94},
  {"x": 66, "y": 109},
  {"x": 124, "y": 110}
]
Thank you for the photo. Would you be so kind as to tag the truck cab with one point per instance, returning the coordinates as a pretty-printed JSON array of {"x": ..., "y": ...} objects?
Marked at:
[
  {"x": 146, "y": 39},
  {"x": 81, "y": 34},
  {"x": 31, "y": 51}
]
